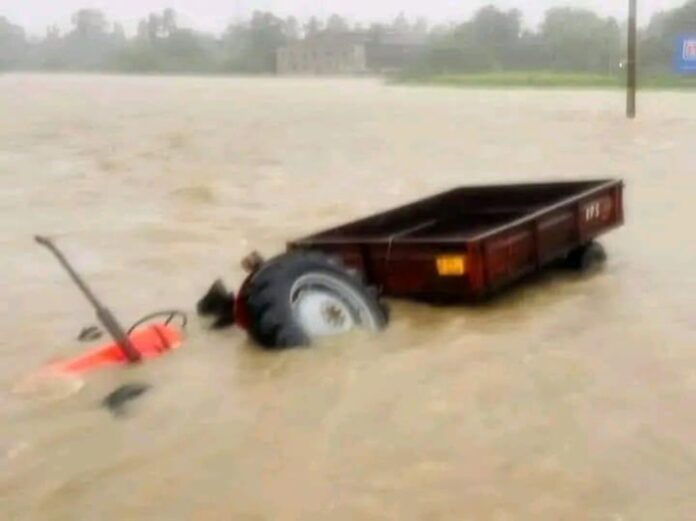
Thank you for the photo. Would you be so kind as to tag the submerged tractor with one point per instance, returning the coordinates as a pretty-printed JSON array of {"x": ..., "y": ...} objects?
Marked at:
[{"x": 464, "y": 245}]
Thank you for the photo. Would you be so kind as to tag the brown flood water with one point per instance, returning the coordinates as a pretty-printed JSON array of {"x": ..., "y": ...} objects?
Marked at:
[{"x": 569, "y": 398}]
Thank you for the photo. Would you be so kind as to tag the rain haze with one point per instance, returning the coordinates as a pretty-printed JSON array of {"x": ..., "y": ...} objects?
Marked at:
[
  {"x": 513, "y": 340},
  {"x": 36, "y": 15}
]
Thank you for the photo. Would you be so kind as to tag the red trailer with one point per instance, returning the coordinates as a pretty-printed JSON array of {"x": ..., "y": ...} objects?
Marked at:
[
  {"x": 461, "y": 245},
  {"x": 469, "y": 242}
]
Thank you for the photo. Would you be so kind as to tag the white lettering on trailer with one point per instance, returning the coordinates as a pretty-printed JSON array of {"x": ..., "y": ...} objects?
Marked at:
[{"x": 593, "y": 212}]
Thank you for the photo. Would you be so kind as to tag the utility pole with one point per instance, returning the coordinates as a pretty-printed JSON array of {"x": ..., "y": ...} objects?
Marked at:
[{"x": 632, "y": 63}]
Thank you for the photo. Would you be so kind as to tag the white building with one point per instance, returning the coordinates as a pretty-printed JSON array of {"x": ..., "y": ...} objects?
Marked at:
[{"x": 320, "y": 57}]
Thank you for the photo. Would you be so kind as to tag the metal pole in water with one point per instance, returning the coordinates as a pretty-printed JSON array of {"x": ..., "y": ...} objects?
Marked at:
[
  {"x": 632, "y": 65},
  {"x": 107, "y": 319}
]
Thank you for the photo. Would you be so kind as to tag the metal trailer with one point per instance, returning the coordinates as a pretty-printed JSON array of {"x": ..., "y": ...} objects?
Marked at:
[{"x": 468, "y": 243}]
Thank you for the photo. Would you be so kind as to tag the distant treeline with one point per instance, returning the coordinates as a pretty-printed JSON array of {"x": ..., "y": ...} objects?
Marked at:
[{"x": 568, "y": 39}]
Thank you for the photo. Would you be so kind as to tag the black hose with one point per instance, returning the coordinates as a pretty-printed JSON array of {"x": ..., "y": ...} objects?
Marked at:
[{"x": 170, "y": 314}]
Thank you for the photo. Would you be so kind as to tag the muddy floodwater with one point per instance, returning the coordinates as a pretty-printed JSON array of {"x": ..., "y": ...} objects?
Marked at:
[{"x": 568, "y": 398}]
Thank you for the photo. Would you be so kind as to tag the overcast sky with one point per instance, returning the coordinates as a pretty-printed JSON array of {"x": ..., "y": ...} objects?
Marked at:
[{"x": 35, "y": 15}]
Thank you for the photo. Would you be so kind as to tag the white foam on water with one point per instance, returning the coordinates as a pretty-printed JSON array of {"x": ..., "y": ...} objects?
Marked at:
[{"x": 47, "y": 386}]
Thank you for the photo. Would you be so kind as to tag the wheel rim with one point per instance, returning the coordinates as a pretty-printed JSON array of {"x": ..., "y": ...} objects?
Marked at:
[{"x": 326, "y": 306}]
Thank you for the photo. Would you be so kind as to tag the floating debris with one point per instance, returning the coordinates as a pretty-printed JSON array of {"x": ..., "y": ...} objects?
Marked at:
[{"x": 117, "y": 401}]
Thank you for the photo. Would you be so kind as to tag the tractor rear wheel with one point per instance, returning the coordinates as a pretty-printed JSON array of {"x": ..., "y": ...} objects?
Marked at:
[{"x": 299, "y": 297}]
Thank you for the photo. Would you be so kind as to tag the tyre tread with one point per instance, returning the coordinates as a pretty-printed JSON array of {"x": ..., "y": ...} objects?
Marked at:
[{"x": 267, "y": 300}]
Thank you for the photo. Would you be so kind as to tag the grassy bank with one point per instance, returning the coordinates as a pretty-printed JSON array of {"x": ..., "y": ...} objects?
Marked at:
[{"x": 544, "y": 80}]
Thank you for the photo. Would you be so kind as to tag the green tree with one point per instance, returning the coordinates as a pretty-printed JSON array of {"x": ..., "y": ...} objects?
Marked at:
[
  {"x": 266, "y": 35},
  {"x": 291, "y": 28},
  {"x": 162, "y": 46},
  {"x": 400, "y": 25},
  {"x": 313, "y": 28},
  {"x": 88, "y": 46},
  {"x": 154, "y": 26},
  {"x": 89, "y": 23},
  {"x": 376, "y": 33},
  {"x": 420, "y": 28},
  {"x": 488, "y": 41},
  {"x": 251, "y": 47},
  {"x": 569, "y": 39},
  {"x": 13, "y": 45},
  {"x": 497, "y": 29},
  {"x": 168, "y": 22},
  {"x": 580, "y": 40},
  {"x": 658, "y": 39},
  {"x": 336, "y": 25}
]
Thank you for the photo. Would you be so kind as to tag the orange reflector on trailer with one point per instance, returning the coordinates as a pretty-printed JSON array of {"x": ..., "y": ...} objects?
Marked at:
[{"x": 451, "y": 265}]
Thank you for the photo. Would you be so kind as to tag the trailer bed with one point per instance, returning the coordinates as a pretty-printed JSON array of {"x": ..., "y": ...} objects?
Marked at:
[{"x": 469, "y": 242}]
